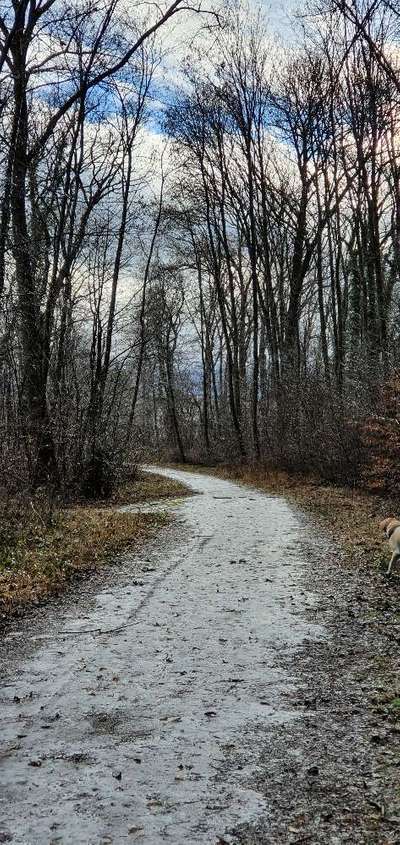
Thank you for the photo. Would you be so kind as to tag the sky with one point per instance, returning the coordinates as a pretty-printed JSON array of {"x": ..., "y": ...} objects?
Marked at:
[
  {"x": 279, "y": 12},
  {"x": 184, "y": 34}
]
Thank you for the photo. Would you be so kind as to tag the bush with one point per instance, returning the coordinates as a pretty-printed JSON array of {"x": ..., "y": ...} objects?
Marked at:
[{"x": 380, "y": 434}]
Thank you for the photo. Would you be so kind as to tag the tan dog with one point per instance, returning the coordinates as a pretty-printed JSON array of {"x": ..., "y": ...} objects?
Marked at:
[{"x": 391, "y": 529}]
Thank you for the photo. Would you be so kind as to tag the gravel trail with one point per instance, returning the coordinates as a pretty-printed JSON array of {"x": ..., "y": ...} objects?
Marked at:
[{"x": 120, "y": 730}]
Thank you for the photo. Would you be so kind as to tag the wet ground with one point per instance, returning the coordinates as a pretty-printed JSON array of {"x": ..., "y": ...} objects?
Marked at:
[{"x": 213, "y": 690}]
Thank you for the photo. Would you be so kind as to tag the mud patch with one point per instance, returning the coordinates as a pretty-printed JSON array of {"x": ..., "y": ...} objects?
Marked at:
[
  {"x": 119, "y": 724},
  {"x": 107, "y": 723},
  {"x": 78, "y": 758}
]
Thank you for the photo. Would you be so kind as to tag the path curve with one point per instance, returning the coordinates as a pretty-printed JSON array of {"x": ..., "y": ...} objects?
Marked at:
[{"x": 122, "y": 737}]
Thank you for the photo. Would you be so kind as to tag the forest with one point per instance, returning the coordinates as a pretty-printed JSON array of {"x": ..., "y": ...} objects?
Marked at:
[
  {"x": 199, "y": 257},
  {"x": 200, "y": 422}
]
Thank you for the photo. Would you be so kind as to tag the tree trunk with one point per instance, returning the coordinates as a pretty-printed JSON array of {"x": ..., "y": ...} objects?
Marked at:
[{"x": 34, "y": 368}]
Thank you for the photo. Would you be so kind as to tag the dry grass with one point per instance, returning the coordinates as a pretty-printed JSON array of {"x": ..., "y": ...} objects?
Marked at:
[
  {"x": 147, "y": 487},
  {"x": 351, "y": 516},
  {"x": 42, "y": 548}
]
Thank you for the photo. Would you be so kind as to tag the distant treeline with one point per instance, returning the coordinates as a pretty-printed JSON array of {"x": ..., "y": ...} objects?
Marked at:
[{"x": 260, "y": 247}]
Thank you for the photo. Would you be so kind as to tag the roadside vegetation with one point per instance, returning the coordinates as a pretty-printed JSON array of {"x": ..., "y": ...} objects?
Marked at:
[
  {"x": 213, "y": 279},
  {"x": 147, "y": 487},
  {"x": 44, "y": 545}
]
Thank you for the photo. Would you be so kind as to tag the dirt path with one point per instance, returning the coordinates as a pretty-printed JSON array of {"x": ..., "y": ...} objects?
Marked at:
[{"x": 152, "y": 732}]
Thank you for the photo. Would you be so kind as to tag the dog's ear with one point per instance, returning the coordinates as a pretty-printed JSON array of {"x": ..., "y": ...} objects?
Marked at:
[
  {"x": 386, "y": 522},
  {"x": 389, "y": 523}
]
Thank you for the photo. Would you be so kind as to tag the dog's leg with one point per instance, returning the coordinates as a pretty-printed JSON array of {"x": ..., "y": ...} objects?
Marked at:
[{"x": 395, "y": 556}]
